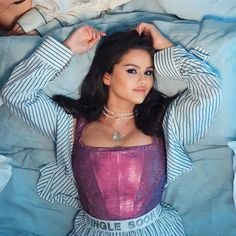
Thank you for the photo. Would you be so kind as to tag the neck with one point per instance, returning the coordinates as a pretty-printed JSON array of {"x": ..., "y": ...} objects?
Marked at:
[
  {"x": 119, "y": 122},
  {"x": 117, "y": 115},
  {"x": 120, "y": 108}
]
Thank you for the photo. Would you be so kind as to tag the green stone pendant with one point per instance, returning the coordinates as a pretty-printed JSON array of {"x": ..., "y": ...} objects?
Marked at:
[{"x": 116, "y": 136}]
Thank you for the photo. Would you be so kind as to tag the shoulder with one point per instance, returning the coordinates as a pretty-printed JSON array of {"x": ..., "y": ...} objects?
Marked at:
[{"x": 79, "y": 124}]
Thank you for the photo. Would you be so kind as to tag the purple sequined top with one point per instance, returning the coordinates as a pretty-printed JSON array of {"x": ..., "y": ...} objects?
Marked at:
[{"x": 118, "y": 183}]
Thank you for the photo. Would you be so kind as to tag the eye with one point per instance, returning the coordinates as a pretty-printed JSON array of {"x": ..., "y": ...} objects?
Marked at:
[
  {"x": 149, "y": 73},
  {"x": 18, "y": 2},
  {"x": 132, "y": 71}
]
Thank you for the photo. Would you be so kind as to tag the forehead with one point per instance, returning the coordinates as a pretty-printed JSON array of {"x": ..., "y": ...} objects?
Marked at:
[{"x": 137, "y": 56}]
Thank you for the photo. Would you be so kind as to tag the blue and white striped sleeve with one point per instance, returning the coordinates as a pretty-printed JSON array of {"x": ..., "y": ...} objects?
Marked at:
[
  {"x": 24, "y": 94},
  {"x": 189, "y": 116}
]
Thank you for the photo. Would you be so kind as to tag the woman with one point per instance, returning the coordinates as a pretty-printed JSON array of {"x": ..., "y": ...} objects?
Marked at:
[{"x": 114, "y": 131}]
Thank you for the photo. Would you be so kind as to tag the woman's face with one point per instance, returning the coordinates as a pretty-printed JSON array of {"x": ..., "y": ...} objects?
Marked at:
[{"x": 131, "y": 79}]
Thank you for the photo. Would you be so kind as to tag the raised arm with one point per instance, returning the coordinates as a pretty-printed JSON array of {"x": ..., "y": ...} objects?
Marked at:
[
  {"x": 189, "y": 116},
  {"x": 23, "y": 92}
]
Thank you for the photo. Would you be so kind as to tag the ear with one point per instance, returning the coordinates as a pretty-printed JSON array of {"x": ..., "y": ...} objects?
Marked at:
[{"x": 107, "y": 79}]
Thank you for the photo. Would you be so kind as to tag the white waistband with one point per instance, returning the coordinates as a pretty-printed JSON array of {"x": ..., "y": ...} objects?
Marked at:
[{"x": 123, "y": 225}]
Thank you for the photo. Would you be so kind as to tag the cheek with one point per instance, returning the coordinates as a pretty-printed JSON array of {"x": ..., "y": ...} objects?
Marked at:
[
  {"x": 121, "y": 81},
  {"x": 149, "y": 86},
  {"x": 150, "y": 83}
]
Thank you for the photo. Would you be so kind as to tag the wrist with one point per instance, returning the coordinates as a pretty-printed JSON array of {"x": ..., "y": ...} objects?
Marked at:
[
  {"x": 67, "y": 45},
  {"x": 162, "y": 44},
  {"x": 55, "y": 52}
]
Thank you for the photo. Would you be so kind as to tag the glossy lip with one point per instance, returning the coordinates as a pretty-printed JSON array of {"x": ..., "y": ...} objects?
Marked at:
[{"x": 140, "y": 90}]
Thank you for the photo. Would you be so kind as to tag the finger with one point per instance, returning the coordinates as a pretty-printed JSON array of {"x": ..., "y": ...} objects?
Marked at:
[
  {"x": 102, "y": 33},
  {"x": 96, "y": 34},
  {"x": 141, "y": 28},
  {"x": 138, "y": 29},
  {"x": 11, "y": 32},
  {"x": 86, "y": 31},
  {"x": 93, "y": 41},
  {"x": 146, "y": 29},
  {"x": 16, "y": 27},
  {"x": 19, "y": 30},
  {"x": 92, "y": 32}
]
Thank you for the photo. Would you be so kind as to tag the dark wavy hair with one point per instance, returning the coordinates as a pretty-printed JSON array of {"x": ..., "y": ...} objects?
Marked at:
[{"x": 94, "y": 93}]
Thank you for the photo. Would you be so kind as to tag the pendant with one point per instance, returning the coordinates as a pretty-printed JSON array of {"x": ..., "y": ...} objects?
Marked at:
[{"x": 116, "y": 136}]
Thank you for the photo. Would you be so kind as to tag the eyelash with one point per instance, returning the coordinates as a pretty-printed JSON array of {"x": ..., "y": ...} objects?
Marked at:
[
  {"x": 18, "y": 2},
  {"x": 151, "y": 72},
  {"x": 148, "y": 72}
]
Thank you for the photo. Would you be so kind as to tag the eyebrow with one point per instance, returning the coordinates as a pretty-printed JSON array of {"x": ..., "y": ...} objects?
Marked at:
[
  {"x": 18, "y": 2},
  {"x": 133, "y": 65}
]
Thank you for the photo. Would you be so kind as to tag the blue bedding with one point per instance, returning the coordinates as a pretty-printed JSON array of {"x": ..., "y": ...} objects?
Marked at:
[{"x": 204, "y": 196}]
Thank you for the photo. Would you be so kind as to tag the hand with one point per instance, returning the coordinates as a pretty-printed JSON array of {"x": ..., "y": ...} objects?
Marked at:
[
  {"x": 159, "y": 41},
  {"x": 82, "y": 39},
  {"x": 16, "y": 30}
]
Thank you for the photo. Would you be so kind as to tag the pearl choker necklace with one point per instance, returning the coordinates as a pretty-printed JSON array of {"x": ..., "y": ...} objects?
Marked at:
[
  {"x": 116, "y": 134},
  {"x": 117, "y": 116}
]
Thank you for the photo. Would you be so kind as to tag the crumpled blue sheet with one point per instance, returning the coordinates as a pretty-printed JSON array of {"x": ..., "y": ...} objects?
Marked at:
[
  {"x": 201, "y": 196},
  {"x": 232, "y": 145},
  {"x": 5, "y": 171}
]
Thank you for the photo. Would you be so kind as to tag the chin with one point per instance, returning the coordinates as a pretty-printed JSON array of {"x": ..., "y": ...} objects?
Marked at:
[{"x": 139, "y": 101}]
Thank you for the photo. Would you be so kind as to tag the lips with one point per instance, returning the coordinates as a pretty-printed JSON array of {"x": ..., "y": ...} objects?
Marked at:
[{"x": 140, "y": 90}]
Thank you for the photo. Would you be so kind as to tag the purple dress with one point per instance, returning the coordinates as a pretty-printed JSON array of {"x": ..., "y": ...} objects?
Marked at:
[{"x": 119, "y": 183}]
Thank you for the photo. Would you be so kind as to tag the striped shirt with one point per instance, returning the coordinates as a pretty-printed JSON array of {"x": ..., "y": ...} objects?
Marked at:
[{"x": 186, "y": 120}]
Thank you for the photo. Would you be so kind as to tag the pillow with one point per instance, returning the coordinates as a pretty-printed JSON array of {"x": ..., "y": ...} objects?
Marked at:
[
  {"x": 24, "y": 213},
  {"x": 183, "y": 9},
  {"x": 215, "y": 35},
  {"x": 202, "y": 8},
  {"x": 1, "y": 101},
  {"x": 110, "y": 23},
  {"x": 12, "y": 54},
  {"x": 26, "y": 147},
  {"x": 203, "y": 196},
  {"x": 218, "y": 37},
  {"x": 232, "y": 145},
  {"x": 5, "y": 171}
]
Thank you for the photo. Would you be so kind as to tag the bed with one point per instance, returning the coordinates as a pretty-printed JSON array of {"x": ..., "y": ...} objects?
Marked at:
[{"x": 204, "y": 196}]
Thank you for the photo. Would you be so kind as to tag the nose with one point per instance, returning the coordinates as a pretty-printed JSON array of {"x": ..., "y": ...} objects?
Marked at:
[{"x": 142, "y": 79}]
